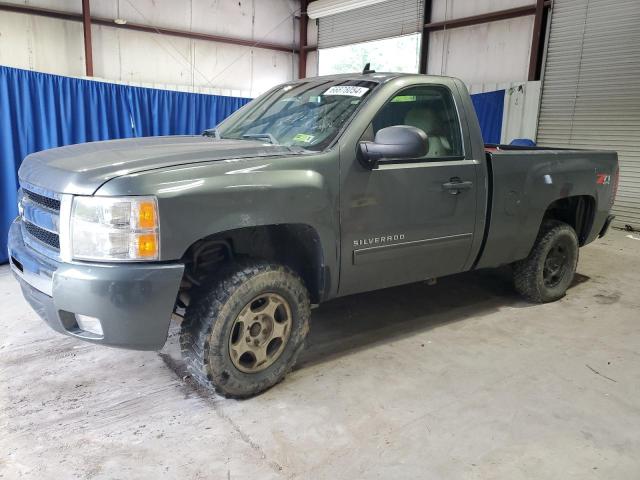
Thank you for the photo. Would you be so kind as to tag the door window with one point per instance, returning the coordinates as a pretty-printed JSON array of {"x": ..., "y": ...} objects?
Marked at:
[{"x": 430, "y": 108}]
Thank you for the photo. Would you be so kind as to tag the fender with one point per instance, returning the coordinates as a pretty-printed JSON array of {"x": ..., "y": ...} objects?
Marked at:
[{"x": 196, "y": 201}]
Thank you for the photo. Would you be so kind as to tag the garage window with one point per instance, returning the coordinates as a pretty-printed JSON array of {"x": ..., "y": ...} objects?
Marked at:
[{"x": 397, "y": 54}]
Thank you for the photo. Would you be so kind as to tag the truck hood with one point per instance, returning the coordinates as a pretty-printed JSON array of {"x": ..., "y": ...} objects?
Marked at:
[{"x": 81, "y": 169}]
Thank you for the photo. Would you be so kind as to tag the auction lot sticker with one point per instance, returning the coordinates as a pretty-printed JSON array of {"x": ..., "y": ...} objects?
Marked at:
[{"x": 347, "y": 90}]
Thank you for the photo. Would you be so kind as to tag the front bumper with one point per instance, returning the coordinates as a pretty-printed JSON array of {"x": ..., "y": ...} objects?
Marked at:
[{"x": 133, "y": 301}]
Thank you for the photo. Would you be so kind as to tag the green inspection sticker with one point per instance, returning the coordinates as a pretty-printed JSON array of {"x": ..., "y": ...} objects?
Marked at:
[
  {"x": 303, "y": 137},
  {"x": 403, "y": 98}
]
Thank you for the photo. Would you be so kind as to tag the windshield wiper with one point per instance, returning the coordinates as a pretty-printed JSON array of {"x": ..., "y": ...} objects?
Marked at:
[
  {"x": 211, "y": 132},
  {"x": 265, "y": 135}
]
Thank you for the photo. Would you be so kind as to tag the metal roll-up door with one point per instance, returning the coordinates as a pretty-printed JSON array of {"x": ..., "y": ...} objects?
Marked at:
[
  {"x": 591, "y": 88},
  {"x": 391, "y": 18}
]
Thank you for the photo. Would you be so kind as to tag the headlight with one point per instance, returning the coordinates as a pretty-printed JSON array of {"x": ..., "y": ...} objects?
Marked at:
[{"x": 114, "y": 228}]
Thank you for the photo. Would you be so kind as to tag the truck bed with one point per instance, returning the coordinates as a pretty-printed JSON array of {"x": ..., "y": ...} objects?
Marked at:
[{"x": 526, "y": 182}]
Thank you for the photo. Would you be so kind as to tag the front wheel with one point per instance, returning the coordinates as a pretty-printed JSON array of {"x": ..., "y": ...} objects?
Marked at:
[
  {"x": 243, "y": 331},
  {"x": 547, "y": 272}
]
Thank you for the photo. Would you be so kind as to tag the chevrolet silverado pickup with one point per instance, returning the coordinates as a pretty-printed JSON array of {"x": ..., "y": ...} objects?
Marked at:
[{"x": 317, "y": 189}]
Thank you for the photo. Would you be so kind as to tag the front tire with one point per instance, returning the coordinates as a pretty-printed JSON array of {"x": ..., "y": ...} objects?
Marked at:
[
  {"x": 244, "y": 329},
  {"x": 547, "y": 272}
]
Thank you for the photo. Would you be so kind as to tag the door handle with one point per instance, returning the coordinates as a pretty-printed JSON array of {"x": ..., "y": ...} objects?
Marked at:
[{"x": 455, "y": 185}]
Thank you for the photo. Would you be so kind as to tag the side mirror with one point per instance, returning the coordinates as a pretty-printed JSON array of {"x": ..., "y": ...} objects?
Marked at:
[{"x": 393, "y": 143}]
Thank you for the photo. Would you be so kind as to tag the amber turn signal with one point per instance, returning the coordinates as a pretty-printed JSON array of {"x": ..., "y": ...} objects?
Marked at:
[
  {"x": 147, "y": 215},
  {"x": 147, "y": 245}
]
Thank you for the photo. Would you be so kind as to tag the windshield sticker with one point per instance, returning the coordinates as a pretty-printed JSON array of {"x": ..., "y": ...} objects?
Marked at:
[
  {"x": 347, "y": 91},
  {"x": 403, "y": 98},
  {"x": 303, "y": 137}
]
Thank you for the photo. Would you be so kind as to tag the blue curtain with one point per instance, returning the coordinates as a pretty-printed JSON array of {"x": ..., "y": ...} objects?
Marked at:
[
  {"x": 40, "y": 111},
  {"x": 489, "y": 108}
]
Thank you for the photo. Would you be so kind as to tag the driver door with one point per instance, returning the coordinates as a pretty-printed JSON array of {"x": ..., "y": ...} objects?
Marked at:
[{"x": 402, "y": 222}]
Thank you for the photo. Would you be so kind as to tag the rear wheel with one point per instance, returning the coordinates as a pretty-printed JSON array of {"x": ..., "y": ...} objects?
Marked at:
[
  {"x": 547, "y": 272},
  {"x": 242, "y": 332}
]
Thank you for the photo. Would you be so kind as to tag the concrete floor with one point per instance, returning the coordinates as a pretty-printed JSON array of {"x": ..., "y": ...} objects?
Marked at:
[{"x": 459, "y": 380}]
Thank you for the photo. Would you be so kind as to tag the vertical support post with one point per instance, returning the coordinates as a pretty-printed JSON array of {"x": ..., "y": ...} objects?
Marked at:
[
  {"x": 536, "y": 41},
  {"x": 302, "y": 54},
  {"x": 86, "y": 26},
  {"x": 424, "y": 44}
]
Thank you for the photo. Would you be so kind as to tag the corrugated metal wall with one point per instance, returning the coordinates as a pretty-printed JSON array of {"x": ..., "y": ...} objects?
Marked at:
[
  {"x": 388, "y": 19},
  {"x": 591, "y": 88}
]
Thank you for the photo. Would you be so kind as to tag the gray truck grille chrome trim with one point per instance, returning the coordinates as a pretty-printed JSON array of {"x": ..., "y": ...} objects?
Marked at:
[
  {"x": 47, "y": 202},
  {"x": 43, "y": 235},
  {"x": 40, "y": 212}
]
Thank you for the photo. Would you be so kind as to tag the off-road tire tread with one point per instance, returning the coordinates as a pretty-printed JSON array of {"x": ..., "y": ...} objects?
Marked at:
[
  {"x": 525, "y": 271},
  {"x": 203, "y": 310}
]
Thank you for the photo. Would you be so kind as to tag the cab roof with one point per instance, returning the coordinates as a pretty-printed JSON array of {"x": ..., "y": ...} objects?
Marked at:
[{"x": 380, "y": 77}]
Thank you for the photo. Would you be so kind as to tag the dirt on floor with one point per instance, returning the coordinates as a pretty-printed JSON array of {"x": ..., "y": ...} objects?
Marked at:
[{"x": 460, "y": 380}]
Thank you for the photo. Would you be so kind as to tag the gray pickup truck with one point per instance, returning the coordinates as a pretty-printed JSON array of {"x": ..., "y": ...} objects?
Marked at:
[{"x": 319, "y": 188}]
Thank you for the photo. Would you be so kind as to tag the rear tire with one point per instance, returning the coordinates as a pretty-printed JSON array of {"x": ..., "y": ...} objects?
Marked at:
[
  {"x": 244, "y": 329},
  {"x": 547, "y": 272}
]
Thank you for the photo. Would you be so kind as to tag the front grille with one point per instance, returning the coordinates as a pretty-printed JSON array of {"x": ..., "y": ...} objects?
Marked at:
[
  {"x": 40, "y": 214},
  {"x": 47, "y": 202},
  {"x": 45, "y": 236}
]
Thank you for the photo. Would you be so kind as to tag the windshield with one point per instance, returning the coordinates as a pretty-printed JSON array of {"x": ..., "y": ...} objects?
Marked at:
[{"x": 306, "y": 114}]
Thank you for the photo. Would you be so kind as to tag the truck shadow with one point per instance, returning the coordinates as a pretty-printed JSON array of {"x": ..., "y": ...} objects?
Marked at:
[{"x": 348, "y": 324}]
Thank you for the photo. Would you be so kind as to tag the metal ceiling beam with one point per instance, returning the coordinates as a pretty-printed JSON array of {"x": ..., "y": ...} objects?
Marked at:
[
  {"x": 537, "y": 42},
  {"x": 78, "y": 17},
  {"x": 302, "y": 54},
  {"x": 424, "y": 41},
  {"x": 485, "y": 17},
  {"x": 86, "y": 27}
]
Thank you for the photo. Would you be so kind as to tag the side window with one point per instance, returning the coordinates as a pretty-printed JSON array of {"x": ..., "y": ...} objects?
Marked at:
[{"x": 429, "y": 108}]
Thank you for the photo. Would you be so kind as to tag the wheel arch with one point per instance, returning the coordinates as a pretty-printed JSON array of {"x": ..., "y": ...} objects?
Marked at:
[
  {"x": 578, "y": 211},
  {"x": 295, "y": 245}
]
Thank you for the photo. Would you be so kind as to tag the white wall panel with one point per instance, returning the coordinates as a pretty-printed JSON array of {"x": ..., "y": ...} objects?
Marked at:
[
  {"x": 276, "y": 29},
  {"x": 312, "y": 33},
  {"x": 43, "y": 44},
  {"x": 312, "y": 63},
  {"x": 233, "y": 18},
  {"x": 521, "y": 104},
  {"x": 143, "y": 57},
  {"x": 161, "y": 13},
  {"x": 271, "y": 68},
  {"x": 56, "y": 46},
  {"x": 490, "y": 52},
  {"x": 62, "y": 5},
  {"x": 448, "y": 9}
]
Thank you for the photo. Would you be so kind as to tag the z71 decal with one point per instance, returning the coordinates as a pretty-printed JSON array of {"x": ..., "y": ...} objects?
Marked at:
[{"x": 603, "y": 178}]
